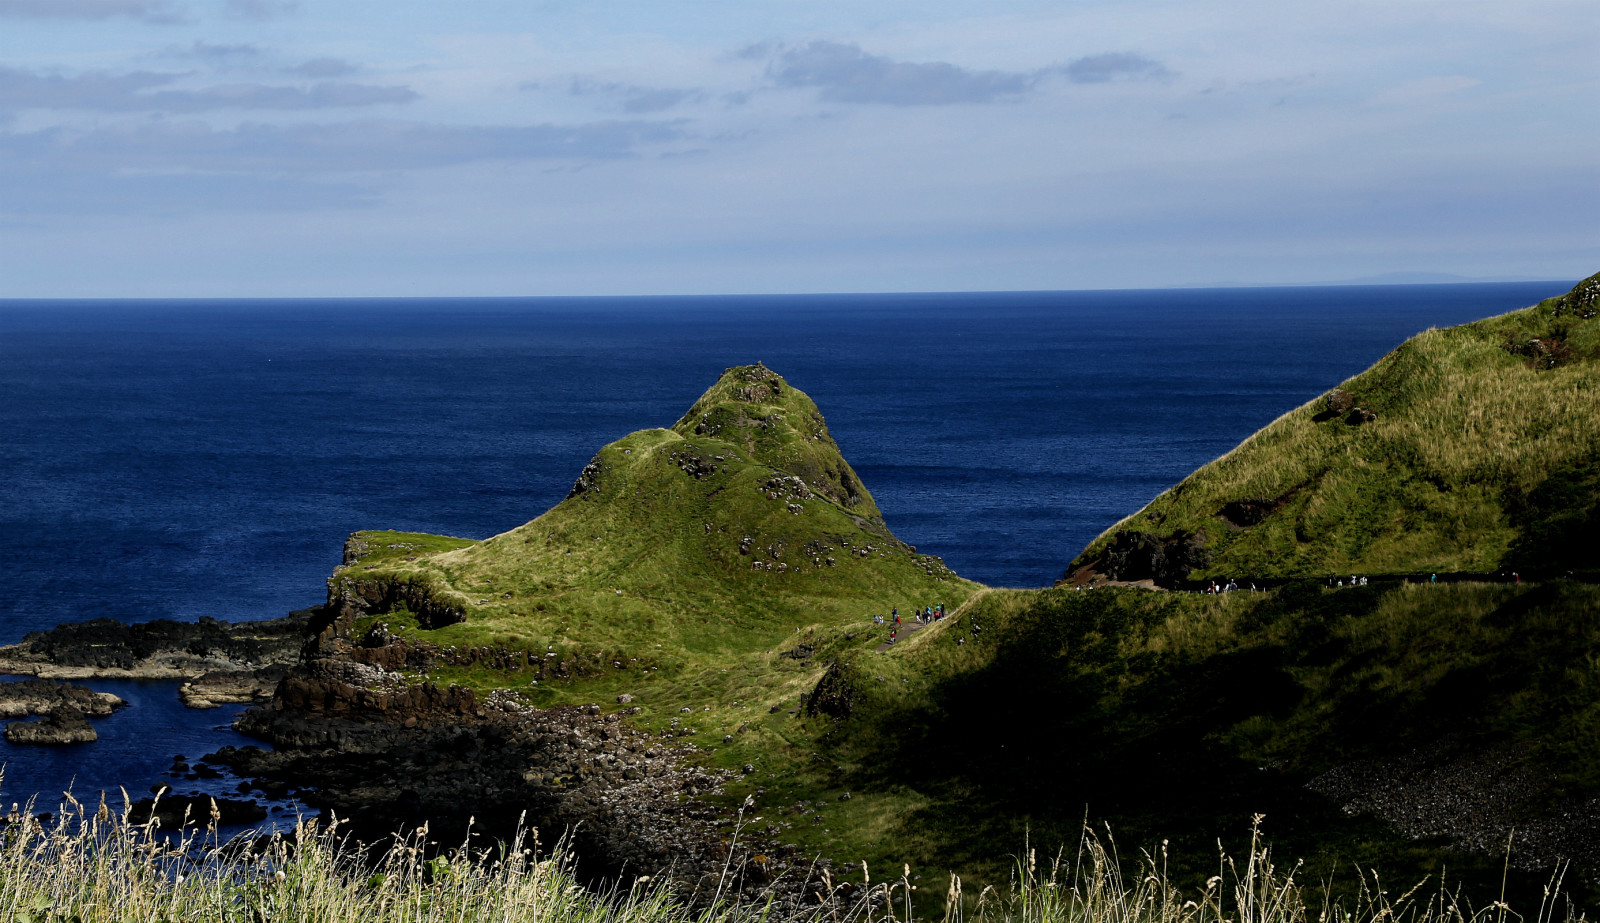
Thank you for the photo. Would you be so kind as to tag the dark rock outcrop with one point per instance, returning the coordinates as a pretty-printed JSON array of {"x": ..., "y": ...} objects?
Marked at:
[
  {"x": 1474, "y": 798},
  {"x": 1248, "y": 512},
  {"x": 233, "y": 687},
  {"x": 65, "y": 725},
  {"x": 835, "y": 693},
  {"x": 47, "y": 696},
  {"x": 1134, "y": 556},
  {"x": 588, "y": 481},
  {"x": 172, "y": 812},
  {"x": 162, "y": 649},
  {"x": 351, "y": 597}
]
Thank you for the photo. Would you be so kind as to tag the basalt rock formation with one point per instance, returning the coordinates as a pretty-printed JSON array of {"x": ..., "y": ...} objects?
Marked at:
[
  {"x": 386, "y": 759},
  {"x": 224, "y": 661},
  {"x": 65, "y": 709},
  {"x": 1133, "y": 556}
]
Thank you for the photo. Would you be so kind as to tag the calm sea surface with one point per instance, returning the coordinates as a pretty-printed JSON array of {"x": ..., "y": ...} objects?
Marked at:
[{"x": 191, "y": 458}]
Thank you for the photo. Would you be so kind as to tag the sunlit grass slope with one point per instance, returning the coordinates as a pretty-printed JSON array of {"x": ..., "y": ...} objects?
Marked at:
[
  {"x": 739, "y": 531},
  {"x": 1479, "y": 451}
]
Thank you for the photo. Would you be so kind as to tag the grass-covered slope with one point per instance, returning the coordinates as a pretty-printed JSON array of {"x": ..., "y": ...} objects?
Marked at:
[
  {"x": 1468, "y": 449},
  {"x": 1444, "y": 716},
  {"x": 677, "y": 550}
]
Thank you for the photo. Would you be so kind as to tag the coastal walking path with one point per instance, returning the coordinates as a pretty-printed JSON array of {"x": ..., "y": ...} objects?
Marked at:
[{"x": 914, "y": 626}]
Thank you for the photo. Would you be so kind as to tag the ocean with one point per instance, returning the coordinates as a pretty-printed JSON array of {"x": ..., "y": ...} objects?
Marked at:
[{"x": 179, "y": 459}]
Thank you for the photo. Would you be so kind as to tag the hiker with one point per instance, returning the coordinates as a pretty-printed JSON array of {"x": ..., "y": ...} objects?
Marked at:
[
  {"x": 1433, "y": 578},
  {"x": 895, "y": 612}
]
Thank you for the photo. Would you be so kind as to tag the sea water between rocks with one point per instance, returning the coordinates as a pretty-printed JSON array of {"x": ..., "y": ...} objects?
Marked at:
[{"x": 179, "y": 459}]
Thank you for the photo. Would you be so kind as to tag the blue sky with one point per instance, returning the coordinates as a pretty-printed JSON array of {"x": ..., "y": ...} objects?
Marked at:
[{"x": 296, "y": 147}]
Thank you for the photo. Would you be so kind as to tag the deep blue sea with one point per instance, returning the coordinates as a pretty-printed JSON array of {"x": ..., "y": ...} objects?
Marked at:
[{"x": 208, "y": 458}]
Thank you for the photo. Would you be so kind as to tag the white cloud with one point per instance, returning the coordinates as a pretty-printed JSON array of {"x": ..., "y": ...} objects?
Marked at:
[
  {"x": 260, "y": 9},
  {"x": 138, "y": 92},
  {"x": 318, "y": 147}
]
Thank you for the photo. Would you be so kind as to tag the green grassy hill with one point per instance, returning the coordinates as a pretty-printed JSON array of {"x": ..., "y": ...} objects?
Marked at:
[
  {"x": 738, "y": 533},
  {"x": 1469, "y": 449},
  {"x": 723, "y": 575}
]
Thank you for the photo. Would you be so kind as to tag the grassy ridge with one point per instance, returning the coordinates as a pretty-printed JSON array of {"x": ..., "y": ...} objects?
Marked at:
[{"x": 1484, "y": 455}]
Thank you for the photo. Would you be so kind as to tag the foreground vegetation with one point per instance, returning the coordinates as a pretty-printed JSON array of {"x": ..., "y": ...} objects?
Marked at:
[{"x": 92, "y": 866}]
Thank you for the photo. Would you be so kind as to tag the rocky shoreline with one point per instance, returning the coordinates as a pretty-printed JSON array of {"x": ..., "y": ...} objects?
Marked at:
[
  {"x": 356, "y": 733},
  {"x": 386, "y": 752}
]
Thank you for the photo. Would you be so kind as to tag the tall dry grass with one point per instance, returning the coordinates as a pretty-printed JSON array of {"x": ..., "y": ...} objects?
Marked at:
[{"x": 94, "y": 866}]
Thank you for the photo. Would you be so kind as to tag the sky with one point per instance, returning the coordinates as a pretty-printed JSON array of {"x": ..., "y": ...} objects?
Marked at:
[{"x": 285, "y": 148}]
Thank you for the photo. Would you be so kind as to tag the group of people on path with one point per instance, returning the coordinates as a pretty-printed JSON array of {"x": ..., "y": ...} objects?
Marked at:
[
  {"x": 1228, "y": 587},
  {"x": 923, "y": 614}
]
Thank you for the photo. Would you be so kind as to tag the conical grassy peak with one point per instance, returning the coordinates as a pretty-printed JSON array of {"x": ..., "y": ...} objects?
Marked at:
[
  {"x": 720, "y": 536},
  {"x": 752, "y": 407}
]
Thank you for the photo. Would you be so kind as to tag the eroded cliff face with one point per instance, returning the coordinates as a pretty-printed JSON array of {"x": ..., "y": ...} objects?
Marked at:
[
  {"x": 1165, "y": 561},
  {"x": 350, "y": 597}
]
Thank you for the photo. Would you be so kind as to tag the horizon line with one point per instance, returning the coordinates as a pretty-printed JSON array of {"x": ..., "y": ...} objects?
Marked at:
[{"x": 1384, "y": 281}]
